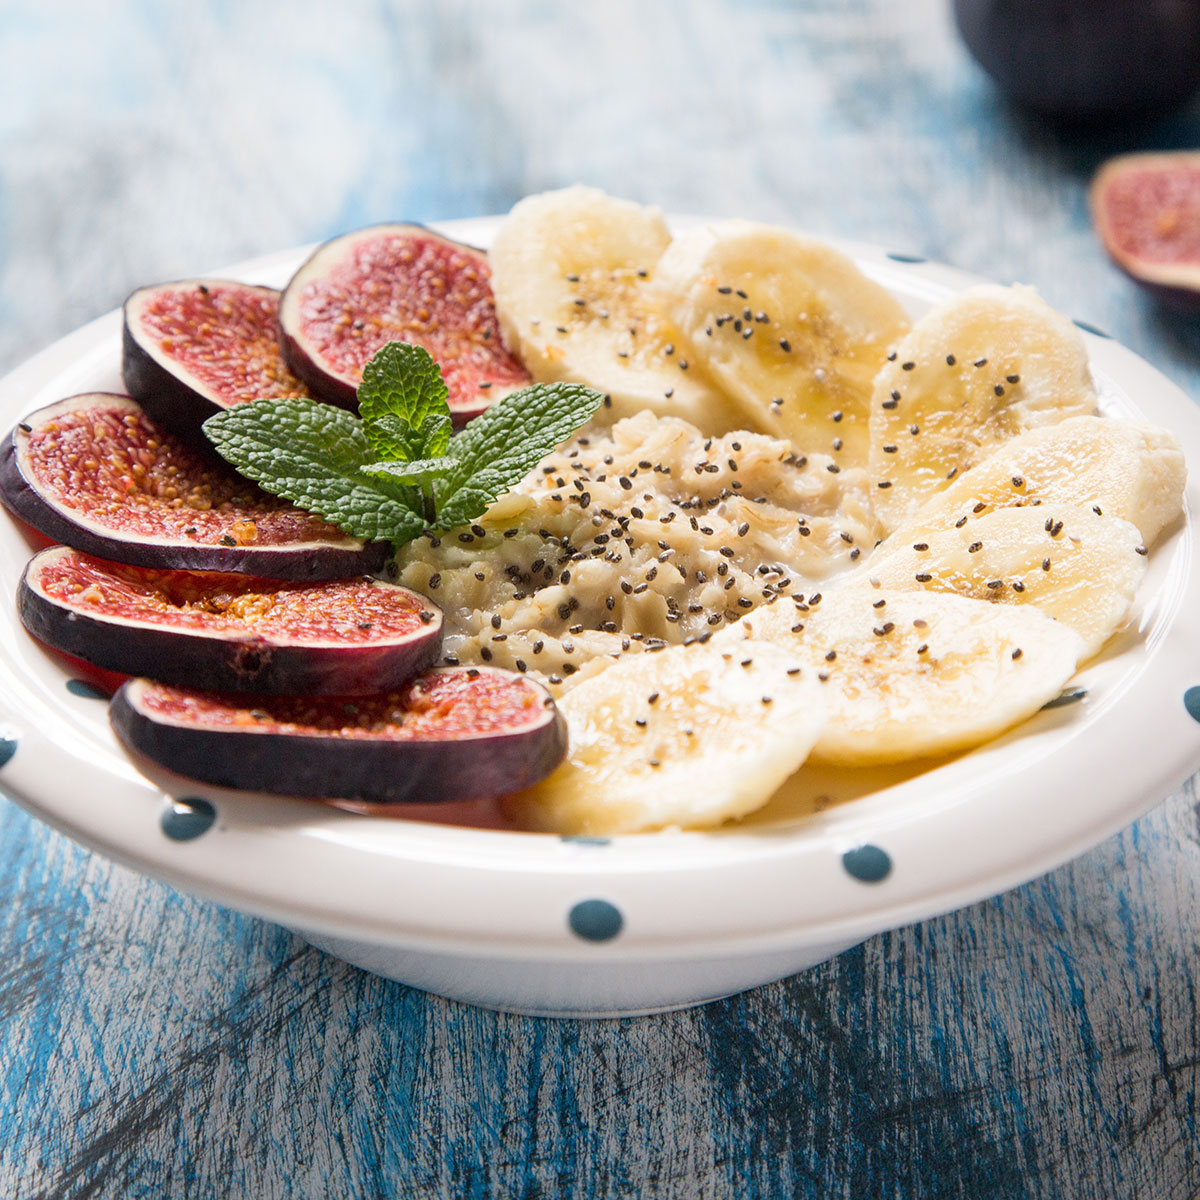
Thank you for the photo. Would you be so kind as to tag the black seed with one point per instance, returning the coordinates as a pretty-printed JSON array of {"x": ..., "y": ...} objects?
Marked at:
[
  {"x": 981, "y": 362},
  {"x": 908, "y": 366},
  {"x": 1017, "y": 653},
  {"x": 922, "y": 577},
  {"x": 974, "y": 547},
  {"x": 923, "y": 647},
  {"x": 960, "y": 522},
  {"x": 830, "y": 655},
  {"x": 1140, "y": 550},
  {"x": 785, "y": 345},
  {"x": 884, "y": 483},
  {"x": 1045, "y": 564},
  {"x": 920, "y": 545},
  {"x": 950, "y": 360},
  {"x": 1013, "y": 378},
  {"x": 1017, "y": 586},
  {"x": 833, "y": 468}
]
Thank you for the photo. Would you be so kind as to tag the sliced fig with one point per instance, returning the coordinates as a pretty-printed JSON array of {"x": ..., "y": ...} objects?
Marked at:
[
  {"x": 453, "y": 733},
  {"x": 1146, "y": 209},
  {"x": 94, "y": 472},
  {"x": 193, "y": 348},
  {"x": 227, "y": 632},
  {"x": 397, "y": 283}
]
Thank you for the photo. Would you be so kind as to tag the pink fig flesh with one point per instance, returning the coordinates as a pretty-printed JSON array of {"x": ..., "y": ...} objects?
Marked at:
[
  {"x": 453, "y": 733},
  {"x": 1146, "y": 209},
  {"x": 193, "y": 348},
  {"x": 94, "y": 472},
  {"x": 397, "y": 283},
  {"x": 228, "y": 632}
]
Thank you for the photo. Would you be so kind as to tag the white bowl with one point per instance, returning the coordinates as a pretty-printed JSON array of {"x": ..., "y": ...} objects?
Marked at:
[{"x": 588, "y": 926}]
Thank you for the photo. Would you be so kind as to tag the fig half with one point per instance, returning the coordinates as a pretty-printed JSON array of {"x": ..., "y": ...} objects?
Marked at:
[
  {"x": 452, "y": 733},
  {"x": 193, "y": 348},
  {"x": 397, "y": 283},
  {"x": 226, "y": 632},
  {"x": 1146, "y": 209},
  {"x": 96, "y": 473}
]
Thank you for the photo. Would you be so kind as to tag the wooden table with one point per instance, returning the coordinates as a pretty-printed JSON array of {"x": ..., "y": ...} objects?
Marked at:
[{"x": 1043, "y": 1043}]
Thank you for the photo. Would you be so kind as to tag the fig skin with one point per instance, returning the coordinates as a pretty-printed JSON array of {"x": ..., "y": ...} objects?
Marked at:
[
  {"x": 1174, "y": 283},
  {"x": 297, "y": 561},
  {"x": 306, "y": 361},
  {"x": 174, "y": 397},
  {"x": 223, "y": 661},
  {"x": 374, "y": 771},
  {"x": 1086, "y": 61}
]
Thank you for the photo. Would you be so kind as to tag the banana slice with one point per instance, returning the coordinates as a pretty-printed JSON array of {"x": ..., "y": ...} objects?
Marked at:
[
  {"x": 689, "y": 736},
  {"x": 975, "y": 371},
  {"x": 789, "y": 327},
  {"x": 916, "y": 675},
  {"x": 1077, "y": 567},
  {"x": 1125, "y": 469},
  {"x": 572, "y": 272}
]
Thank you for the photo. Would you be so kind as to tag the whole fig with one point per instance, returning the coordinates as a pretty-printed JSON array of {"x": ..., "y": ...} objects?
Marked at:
[{"x": 1087, "y": 60}]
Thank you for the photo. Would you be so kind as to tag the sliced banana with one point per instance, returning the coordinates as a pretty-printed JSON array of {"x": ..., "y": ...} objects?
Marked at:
[
  {"x": 689, "y": 736},
  {"x": 916, "y": 675},
  {"x": 788, "y": 326},
  {"x": 1077, "y": 567},
  {"x": 1126, "y": 469},
  {"x": 984, "y": 367},
  {"x": 572, "y": 273}
]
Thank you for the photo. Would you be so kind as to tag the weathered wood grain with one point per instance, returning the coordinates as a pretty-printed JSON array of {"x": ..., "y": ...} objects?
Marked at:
[{"x": 1043, "y": 1044}]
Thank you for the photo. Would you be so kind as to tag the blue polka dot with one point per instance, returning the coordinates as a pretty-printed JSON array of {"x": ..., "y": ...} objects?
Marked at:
[
  {"x": 8, "y": 747},
  {"x": 1191, "y": 701},
  {"x": 89, "y": 691},
  {"x": 906, "y": 258},
  {"x": 595, "y": 920},
  {"x": 586, "y": 840},
  {"x": 868, "y": 864},
  {"x": 1089, "y": 328},
  {"x": 187, "y": 817}
]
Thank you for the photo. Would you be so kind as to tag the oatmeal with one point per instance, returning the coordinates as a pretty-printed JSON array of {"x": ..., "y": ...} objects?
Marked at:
[{"x": 637, "y": 538}]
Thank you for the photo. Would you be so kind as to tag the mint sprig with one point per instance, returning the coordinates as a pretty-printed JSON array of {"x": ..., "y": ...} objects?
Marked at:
[{"x": 397, "y": 471}]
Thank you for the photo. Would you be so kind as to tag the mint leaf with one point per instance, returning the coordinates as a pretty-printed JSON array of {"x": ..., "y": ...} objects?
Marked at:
[
  {"x": 417, "y": 470},
  {"x": 505, "y": 442},
  {"x": 313, "y": 455},
  {"x": 402, "y": 399}
]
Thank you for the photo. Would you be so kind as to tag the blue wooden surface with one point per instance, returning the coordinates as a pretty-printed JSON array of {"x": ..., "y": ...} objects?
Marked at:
[{"x": 1042, "y": 1044}]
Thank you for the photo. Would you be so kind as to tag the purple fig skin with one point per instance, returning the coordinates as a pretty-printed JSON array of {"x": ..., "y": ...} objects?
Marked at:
[
  {"x": 174, "y": 398},
  {"x": 222, "y": 660},
  {"x": 375, "y": 771},
  {"x": 297, "y": 561},
  {"x": 305, "y": 362}
]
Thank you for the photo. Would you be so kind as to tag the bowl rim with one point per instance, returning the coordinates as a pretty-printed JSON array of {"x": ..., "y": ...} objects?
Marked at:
[{"x": 953, "y": 835}]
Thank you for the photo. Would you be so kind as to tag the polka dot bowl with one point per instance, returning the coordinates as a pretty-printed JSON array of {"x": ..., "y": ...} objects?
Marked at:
[{"x": 596, "y": 926}]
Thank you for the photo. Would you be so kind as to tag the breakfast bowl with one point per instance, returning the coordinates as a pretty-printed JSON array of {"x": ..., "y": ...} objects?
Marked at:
[{"x": 456, "y": 900}]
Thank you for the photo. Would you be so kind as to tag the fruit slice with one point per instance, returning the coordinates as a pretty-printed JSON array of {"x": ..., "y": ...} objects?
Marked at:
[
  {"x": 919, "y": 675},
  {"x": 95, "y": 472},
  {"x": 690, "y": 736},
  {"x": 573, "y": 272},
  {"x": 981, "y": 368},
  {"x": 1127, "y": 469},
  {"x": 397, "y": 283},
  {"x": 193, "y": 348},
  {"x": 788, "y": 326},
  {"x": 228, "y": 632},
  {"x": 1077, "y": 567},
  {"x": 1146, "y": 209},
  {"x": 448, "y": 734}
]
